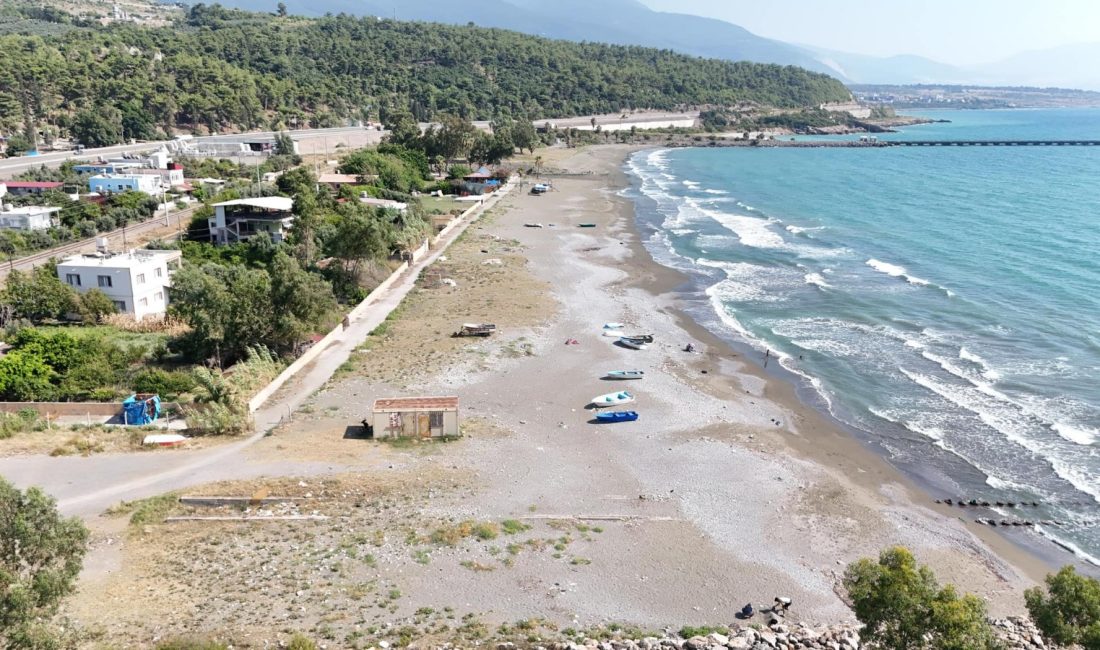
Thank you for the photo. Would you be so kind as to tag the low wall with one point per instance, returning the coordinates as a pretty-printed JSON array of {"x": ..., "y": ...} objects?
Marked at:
[
  {"x": 317, "y": 348},
  {"x": 58, "y": 409}
]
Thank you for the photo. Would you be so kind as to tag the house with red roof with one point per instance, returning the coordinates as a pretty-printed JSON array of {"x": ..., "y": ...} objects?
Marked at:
[{"x": 24, "y": 188}]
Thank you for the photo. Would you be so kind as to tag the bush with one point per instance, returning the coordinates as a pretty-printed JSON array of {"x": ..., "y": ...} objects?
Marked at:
[
  {"x": 168, "y": 384},
  {"x": 903, "y": 608},
  {"x": 1069, "y": 611}
]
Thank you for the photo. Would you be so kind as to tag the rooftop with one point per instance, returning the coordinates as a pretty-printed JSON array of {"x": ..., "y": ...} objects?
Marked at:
[
  {"x": 350, "y": 179},
  {"x": 125, "y": 260},
  {"x": 416, "y": 404},
  {"x": 281, "y": 203},
  {"x": 383, "y": 203},
  {"x": 29, "y": 209}
]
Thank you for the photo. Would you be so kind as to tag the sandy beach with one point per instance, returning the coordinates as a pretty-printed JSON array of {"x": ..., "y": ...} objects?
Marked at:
[{"x": 727, "y": 490}]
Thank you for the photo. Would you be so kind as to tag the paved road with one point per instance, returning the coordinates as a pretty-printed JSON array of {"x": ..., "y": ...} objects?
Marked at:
[
  {"x": 118, "y": 239},
  {"x": 10, "y": 167},
  {"x": 88, "y": 486}
]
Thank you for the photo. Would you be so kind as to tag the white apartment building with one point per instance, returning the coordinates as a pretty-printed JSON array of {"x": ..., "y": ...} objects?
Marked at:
[
  {"x": 137, "y": 281},
  {"x": 118, "y": 183},
  {"x": 28, "y": 217}
]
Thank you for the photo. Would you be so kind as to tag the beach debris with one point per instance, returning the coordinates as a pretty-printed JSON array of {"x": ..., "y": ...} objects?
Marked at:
[
  {"x": 493, "y": 261},
  {"x": 449, "y": 282},
  {"x": 572, "y": 342}
]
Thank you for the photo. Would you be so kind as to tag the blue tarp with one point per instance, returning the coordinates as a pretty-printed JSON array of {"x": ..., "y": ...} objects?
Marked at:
[{"x": 141, "y": 409}]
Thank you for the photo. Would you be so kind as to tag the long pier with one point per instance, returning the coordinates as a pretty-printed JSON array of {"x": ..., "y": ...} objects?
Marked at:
[{"x": 988, "y": 143}]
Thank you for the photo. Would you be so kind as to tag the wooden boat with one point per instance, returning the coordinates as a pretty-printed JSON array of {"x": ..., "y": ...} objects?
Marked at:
[
  {"x": 533, "y": 225},
  {"x": 617, "y": 416},
  {"x": 613, "y": 399},
  {"x": 476, "y": 329},
  {"x": 634, "y": 344},
  {"x": 586, "y": 225},
  {"x": 164, "y": 440},
  {"x": 625, "y": 374},
  {"x": 644, "y": 338}
]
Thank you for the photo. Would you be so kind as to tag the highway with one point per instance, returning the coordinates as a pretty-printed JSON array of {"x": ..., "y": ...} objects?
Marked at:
[{"x": 10, "y": 167}]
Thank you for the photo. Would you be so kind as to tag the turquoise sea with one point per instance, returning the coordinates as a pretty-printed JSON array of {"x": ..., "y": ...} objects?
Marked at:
[{"x": 944, "y": 303}]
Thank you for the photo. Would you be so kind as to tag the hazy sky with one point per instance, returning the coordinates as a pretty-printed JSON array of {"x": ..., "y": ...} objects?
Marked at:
[{"x": 952, "y": 31}]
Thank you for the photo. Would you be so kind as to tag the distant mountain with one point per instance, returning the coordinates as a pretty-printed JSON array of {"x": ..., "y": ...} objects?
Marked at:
[
  {"x": 1069, "y": 66},
  {"x": 629, "y": 22}
]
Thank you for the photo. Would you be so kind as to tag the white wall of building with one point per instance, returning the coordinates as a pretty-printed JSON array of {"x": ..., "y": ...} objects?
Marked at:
[
  {"x": 28, "y": 218},
  {"x": 137, "y": 281},
  {"x": 118, "y": 183}
]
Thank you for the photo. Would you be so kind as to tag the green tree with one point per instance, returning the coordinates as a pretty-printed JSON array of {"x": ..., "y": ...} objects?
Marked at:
[
  {"x": 454, "y": 137},
  {"x": 95, "y": 305},
  {"x": 18, "y": 144},
  {"x": 97, "y": 127},
  {"x": 903, "y": 608},
  {"x": 280, "y": 10},
  {"x": 41, "y": 554},
  {"x": 284, "y": 144},
  {"x": 300, "y": 301},
  {"x": 38, "y": 296},
  {"x": 1068, "y": 612},
  {"x": 24, "y": 378},
  {"x": 403, "y": 128}
]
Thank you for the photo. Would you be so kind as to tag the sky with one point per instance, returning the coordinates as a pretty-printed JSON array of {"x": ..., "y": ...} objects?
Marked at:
[{"x": 961, "y": 32}]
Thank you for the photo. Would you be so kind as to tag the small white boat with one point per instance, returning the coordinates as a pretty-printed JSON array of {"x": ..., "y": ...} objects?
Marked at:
[
  {"x": 164, "y": 440},
  {"x": 613, "y": 326},
  {"x": 625, "y": 374},
  {"x": 635, "y": 344},
  {"x": 533, "y": 225},
  {"x": 613, "y": 399}
]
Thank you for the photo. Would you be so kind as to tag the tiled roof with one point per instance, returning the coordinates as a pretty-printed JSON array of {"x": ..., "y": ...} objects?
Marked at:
[{"x": 416, "y": 404}]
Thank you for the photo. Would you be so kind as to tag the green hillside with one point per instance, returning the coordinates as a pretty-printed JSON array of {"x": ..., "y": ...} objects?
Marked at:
[{"x": 223, "y": 69}]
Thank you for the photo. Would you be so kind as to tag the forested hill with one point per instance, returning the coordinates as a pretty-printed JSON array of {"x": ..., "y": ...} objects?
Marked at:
[{"x": 223, "y": 69}]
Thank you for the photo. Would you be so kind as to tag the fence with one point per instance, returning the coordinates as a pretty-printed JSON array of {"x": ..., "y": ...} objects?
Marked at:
[{"x": 60, "y": 409}]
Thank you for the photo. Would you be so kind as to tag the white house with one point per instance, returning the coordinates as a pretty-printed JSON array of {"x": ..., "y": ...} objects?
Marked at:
[
  {"x": 136, "y": 281},
  {"x": 28, "y": 217},
  {"x": 240, "y": 219},
  {"x": 118, "y": 183},
  {"x": 171, "y": 177}
]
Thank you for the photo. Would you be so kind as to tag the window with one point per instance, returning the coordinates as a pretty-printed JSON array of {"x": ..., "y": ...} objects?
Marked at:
[
  {"x": 72, "y": 279},
  {"x": 120, "y": 305},
  {"x": 144, "y": 302},
  {"x": 104, "y": 281},
  {"x": 141, "y": 278},
  {"x": 158, "y": 296},
  {"x": 435, "y": 420},
  {"x": 159, "y": 272}
]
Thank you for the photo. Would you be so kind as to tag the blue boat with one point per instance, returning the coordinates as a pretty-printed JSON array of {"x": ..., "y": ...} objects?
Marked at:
[{"x": 617, "y": 416}]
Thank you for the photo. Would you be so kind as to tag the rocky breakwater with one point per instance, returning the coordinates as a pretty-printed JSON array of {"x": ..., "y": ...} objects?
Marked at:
[{"x": 1014, "y": 633}]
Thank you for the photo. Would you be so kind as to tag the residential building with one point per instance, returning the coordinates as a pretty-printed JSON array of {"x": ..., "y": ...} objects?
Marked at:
[
  {"x": 170, "y": 177},
  {"x": 240, "y": 219},
  {"x": 118, "y": 183},
  {"x": 137, "y": 281},
  {"x": 336, "y": 180},
  {"x": 106, "y": 167},
  {"x": 28, "y": 217},
  {"x": 415, "y": 417},
  {"x": 26, "y": 188}
]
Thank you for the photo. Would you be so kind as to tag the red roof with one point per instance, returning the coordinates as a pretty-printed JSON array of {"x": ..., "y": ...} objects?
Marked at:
[
  {"x": 31, "y": 185},
  {"x": 416, "y": 404}
]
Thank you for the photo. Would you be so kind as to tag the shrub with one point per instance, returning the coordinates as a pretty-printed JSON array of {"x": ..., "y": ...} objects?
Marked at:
[
  {"x": 1069, "y": 611},
  {"x": 167, "y": 384},
  {"x": 903, "y": 608}
]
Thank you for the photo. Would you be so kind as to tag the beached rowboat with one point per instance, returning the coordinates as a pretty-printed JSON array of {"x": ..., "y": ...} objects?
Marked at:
[
  {"x": 164, "y": 440},
  {"x": 613, "y": 399},
  {"x": 617, "y": 416},
  {"x": 586, "y": 225},
  {"x": 635, "y": 344},
  {"x": 625, "y": 374},
  {"x": 644, "y": 338}
]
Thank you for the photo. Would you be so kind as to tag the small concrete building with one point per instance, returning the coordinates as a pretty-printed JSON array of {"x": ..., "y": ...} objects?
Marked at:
[
  {"x": 136, "y": 281},
  {"x": 26, "y": 188},
  {"x": 28, "y": 217},
  {"x": 415, "y": 417}
]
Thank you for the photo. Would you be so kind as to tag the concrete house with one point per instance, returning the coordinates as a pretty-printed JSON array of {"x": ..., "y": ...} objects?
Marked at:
[
  {"x": 28, "y": 217},
  {"x": 240, "y": 219},
  {"x": 26, "y": 188},
  {"x": 119, "y": 183},
  {"x": 137, "y": 281},
  {"x": 415, "y": 417}
]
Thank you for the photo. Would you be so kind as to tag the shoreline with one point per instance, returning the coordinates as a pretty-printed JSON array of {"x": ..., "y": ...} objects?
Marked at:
[{"x": 846, "y": 448}]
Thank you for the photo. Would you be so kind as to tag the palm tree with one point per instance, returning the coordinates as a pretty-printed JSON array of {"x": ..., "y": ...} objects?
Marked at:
[{"x": 538, "y": 166}]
